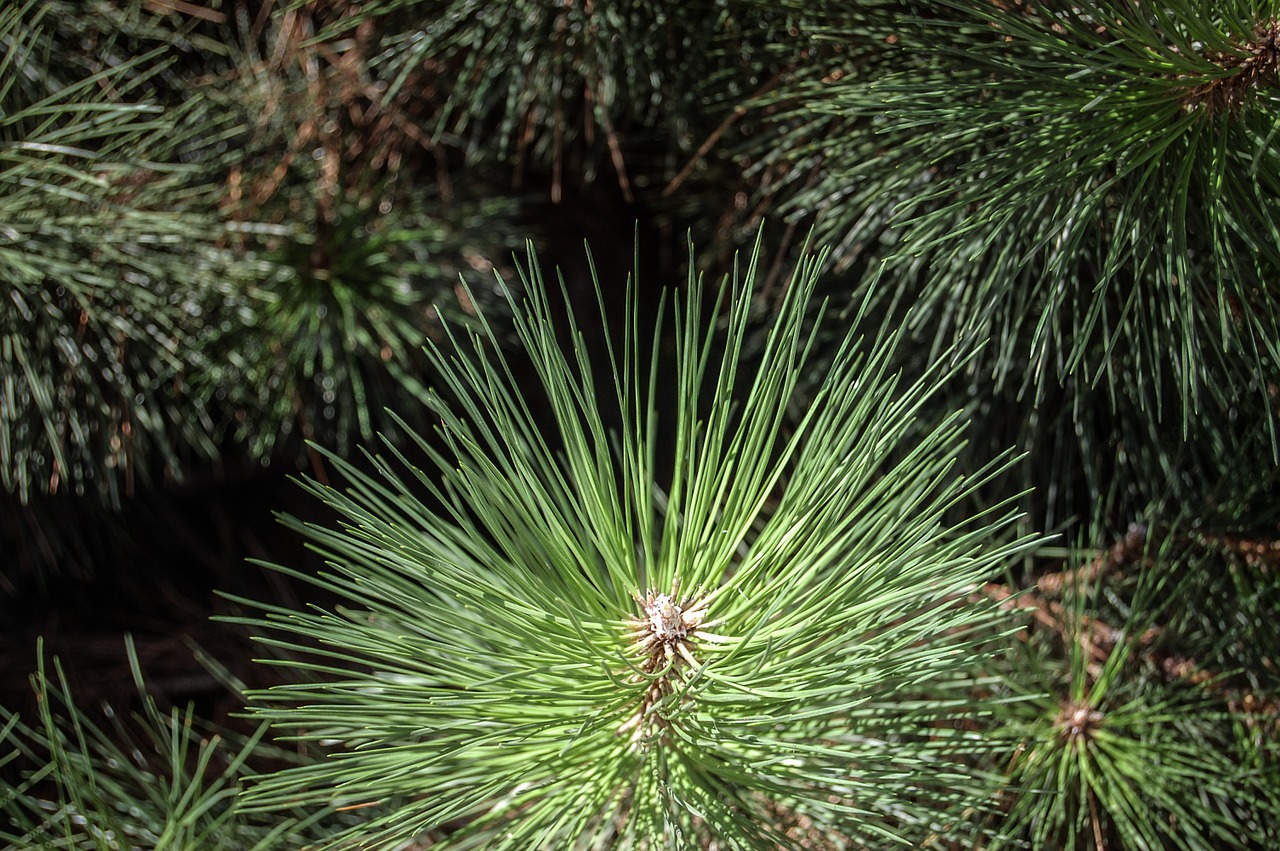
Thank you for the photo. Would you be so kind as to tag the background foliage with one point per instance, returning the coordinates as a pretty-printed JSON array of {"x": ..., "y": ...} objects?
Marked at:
[{"x": 232, "y": 227}]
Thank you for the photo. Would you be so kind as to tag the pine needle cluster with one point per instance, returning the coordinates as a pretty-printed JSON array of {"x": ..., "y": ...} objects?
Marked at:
[
  {"x": 160, "y": 780},
  {"x": 178, "y": 292},
  {"x": 1135, "y": 727},
  {"x": 541, "y": 647},
  {"x": 1089, "y": 187},
  {"x": 107, "y": 266}
]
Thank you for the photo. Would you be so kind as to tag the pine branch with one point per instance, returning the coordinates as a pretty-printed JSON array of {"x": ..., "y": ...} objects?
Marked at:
[
  {"x": 541, "y": 648},
  {"x": 106, "y": 264},
  {"x": 349, "y": 258},
  {"x": 1083, "y": 184},
  {"x": 1135, "y": 745},
  {"x": 159, "y": 780}
]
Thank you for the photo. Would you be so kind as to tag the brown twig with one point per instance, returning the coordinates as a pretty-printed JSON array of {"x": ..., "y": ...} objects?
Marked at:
[
  {"x": 1098, "y": 638},
  {"x": 1127, "y": 550},
  {"x": 710, "y": 141}
]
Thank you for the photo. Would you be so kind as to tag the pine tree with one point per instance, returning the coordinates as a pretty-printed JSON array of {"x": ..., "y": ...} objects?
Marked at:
[{"x": 730, "y": 566}]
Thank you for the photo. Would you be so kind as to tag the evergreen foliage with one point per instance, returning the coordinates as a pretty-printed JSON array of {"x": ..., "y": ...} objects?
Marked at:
[
  {"x": 107, "y": 263},
  {"x": 152, "y": 311},
  {"x": 1086, "y": 185},
  {"x": 160, "y": 782},
  {"x": 1125, "y": 726},
  {"x": 569, "y": 88},
  {"x": 1063, "y": 175},
  {"x": 747, "y": 578},
  {"x": 563, "y": 654}
]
